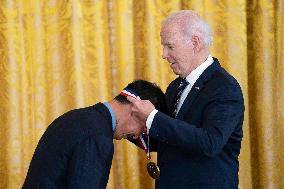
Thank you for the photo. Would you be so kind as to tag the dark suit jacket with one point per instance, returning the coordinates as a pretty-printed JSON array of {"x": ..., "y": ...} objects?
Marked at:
[
  {"x": 75, "y": 151},
  {"x": 200, "y": 148}
]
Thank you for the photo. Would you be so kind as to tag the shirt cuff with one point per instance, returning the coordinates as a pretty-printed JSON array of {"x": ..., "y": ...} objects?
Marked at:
[{"x": 150, "y": 119}]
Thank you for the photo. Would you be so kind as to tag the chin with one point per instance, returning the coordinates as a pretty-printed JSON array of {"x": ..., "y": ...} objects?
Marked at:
[
  {"x": 176, "y": 73},
  {"x": 179, "y": 74}
]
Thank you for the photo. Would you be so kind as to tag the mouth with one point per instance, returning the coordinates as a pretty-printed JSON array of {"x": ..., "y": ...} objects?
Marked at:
[{"x": 172, "y": 64}]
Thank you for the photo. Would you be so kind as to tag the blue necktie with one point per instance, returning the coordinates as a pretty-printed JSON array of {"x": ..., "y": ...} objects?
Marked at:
[{"x": 183, "y": 83}]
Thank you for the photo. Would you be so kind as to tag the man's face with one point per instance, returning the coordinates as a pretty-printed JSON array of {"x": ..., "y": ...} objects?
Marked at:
[
  {"x": 176, "y": 50},
  {"x": 128, "y": 126}
]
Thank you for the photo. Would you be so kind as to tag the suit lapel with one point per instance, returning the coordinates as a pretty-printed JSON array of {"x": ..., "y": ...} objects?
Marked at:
[
  {"x": 190, "y": 98},
  {"x": 197, "y": 87}
]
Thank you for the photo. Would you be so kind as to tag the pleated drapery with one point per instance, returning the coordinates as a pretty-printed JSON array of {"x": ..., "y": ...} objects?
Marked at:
[{"x": 60, "y": 55}]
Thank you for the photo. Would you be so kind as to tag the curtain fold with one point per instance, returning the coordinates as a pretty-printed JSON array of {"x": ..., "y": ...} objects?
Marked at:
[{"x": 59, "y": 55}]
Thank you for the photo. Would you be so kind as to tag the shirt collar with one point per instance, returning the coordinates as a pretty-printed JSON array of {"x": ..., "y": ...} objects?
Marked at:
[
  {"x": 194, "y": 75},
  {"x": 113, "y": 117}
]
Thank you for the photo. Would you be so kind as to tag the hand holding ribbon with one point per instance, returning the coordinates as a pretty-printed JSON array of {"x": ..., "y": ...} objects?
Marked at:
[{"x": 141, "y": 108}]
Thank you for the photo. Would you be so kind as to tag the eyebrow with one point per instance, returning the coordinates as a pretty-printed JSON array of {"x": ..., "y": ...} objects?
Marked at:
[{"x": 168, "y": 44}]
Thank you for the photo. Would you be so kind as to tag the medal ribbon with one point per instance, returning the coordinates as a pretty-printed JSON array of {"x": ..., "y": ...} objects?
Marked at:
[
  {"x": 142, "y": 138},
  {"x": 145, "y": 136}
]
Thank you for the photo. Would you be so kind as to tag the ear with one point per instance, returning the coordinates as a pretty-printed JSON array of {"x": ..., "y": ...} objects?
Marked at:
[{"x": 197, "y": 43}]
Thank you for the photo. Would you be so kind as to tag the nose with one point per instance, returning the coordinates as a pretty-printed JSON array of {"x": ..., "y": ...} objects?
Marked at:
[{"x": 165, "y": 53}]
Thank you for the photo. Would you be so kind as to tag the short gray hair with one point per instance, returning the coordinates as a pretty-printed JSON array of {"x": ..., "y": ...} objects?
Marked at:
[{"x": 191, "y": 24}]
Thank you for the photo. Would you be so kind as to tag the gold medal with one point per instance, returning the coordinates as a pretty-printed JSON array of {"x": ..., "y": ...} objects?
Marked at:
[
  {"x": 152, "y": 167},
  {"x": 153, "y": 170}
]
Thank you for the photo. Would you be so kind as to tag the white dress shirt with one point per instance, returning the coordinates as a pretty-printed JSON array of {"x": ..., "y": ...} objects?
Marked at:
[{"x": 191, "y": 78}]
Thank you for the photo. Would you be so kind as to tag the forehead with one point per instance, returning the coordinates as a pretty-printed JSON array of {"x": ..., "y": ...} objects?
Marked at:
[{"x": 170, "y": 33}]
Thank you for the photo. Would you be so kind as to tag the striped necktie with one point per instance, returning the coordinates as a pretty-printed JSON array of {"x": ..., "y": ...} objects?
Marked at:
[{"x": 183, "y": 83}]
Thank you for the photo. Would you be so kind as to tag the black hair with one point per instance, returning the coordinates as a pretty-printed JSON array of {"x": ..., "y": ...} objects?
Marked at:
[{"x": 146, "y": 91}]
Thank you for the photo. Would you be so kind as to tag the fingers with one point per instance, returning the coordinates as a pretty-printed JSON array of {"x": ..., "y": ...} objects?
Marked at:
[
  {"x": 132, "y": 99},
  {"x": 135, "y": 101}
]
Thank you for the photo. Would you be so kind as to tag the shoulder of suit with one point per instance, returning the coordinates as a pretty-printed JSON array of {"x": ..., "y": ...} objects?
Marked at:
[
  {"x": 173, "y": 83},
  {"x": 224, "y": 76}
]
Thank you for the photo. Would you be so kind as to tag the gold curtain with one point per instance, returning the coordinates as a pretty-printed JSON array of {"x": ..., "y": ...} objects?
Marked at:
[{"x": 60, "y": 55}]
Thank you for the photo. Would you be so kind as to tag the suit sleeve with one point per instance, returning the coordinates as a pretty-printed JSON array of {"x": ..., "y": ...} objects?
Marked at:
[
  {"x": 89, "y": 165},
  {"x": 219, "y": 119}
]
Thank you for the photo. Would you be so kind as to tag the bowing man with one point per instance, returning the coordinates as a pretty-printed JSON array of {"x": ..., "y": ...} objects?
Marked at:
[{"x": 76, "y": 150}]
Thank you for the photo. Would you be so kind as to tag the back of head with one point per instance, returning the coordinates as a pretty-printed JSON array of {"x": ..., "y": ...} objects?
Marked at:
[
  {"x": 146, "y": 91},
  {"x": 191, "y": 24}
]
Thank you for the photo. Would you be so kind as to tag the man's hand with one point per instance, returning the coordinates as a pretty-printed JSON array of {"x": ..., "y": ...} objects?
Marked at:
[{"x": 141, "y": 108}]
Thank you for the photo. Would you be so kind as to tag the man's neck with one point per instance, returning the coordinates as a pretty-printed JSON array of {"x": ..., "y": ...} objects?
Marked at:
[
  {"x": 115, "y": 106},
  {"x": 202, "y": 56},
  {"x": 118, "y": 109}
]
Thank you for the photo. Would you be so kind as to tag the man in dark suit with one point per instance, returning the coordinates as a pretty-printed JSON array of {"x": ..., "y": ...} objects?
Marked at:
[
  {"x": 199, "y": 142},
  {"x": 76, "y": 150}
]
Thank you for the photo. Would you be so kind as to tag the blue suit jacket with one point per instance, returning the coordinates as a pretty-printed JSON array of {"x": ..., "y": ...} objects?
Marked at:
[
  {"x": 75, "y": 151},
  {"x": 200, "y": 148}
]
